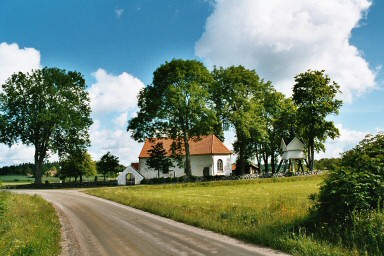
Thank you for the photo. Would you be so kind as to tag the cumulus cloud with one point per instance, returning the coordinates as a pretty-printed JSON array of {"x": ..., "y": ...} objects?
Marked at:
[
  {"x": 15, "y": 155},
  {"x": 281, "y": 39},
  {"x": 347, "y": 140},
  {"x": 14, "y": 59},
  {"x": 113, "y": 97},
  {"x": 115, "y": 140},
  {"x": 113, "y": 93}
]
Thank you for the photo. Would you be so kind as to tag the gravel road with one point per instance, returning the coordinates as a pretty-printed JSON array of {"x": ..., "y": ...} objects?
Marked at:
[{"x": 94, "y": 226}]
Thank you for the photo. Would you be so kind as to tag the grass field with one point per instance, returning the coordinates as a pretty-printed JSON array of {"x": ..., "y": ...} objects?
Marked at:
[
  {"x": 267, "y": 212},
  {"x": 28, "y": 226},
  {"x": 23, "y": 179}
]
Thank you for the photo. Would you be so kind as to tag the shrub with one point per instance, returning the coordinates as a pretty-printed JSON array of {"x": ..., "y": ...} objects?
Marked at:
[
  {"x": 346, "y": 191},
  {"x": 357, "y": 187}
]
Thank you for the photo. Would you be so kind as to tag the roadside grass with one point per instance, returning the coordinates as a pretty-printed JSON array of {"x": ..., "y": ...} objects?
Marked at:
[
  {"x": 268, "y": 212},
  {"x": 29, "y": 225},
  {"x": 24, "y": 179}
]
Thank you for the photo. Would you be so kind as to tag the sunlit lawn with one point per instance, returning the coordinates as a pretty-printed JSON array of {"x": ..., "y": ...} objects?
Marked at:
[{"x": 264, "y": 211}]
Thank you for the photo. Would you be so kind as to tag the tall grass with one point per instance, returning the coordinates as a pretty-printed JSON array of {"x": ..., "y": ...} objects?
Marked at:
[
  {"x": 29, "y": 225},
  {"x": 267, "y": 212}
]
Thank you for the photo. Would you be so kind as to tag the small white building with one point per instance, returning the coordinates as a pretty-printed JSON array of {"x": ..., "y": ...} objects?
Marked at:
[
  {"x": 293, "y": 152},
  {"x": 209, "y": 157},
  {"x": 129, "y": 176}
]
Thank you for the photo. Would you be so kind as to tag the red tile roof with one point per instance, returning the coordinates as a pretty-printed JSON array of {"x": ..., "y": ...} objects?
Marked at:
[
  {"x": 207, "y": 145},
  {"x": 135, "y": 166}
]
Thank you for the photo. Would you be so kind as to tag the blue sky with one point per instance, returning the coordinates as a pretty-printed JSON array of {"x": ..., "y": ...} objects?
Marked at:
[{"x": 117, "y": 45}]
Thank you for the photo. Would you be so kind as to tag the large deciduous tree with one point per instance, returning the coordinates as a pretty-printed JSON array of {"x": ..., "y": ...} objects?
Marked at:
[
  {"x": 315, "y": 98},
  {"x": 48, "y": 108},
  {"x": 237, "y": 94},
  {"x": 279, "y": 121},
  {"x": 108, "y": 164},
  {"x": 175, "y": 105}
]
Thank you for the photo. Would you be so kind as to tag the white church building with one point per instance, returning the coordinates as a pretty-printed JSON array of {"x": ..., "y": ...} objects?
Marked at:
[{"x": 209, "y": 157}]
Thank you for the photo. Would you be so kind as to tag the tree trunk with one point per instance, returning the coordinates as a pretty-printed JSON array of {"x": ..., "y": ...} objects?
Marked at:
[
  {"x": 313, "y": 158},
  {"x": 273, "y": 166},
  {"x": 258, "y": 163},
  {"x": 241, "y": 159},
  {"x": 188, "y": 170},
  {"x": 266, "y": 165},
  {"x": 311, "y": 152},
  {"x": 37, "y": 167},
  {"x": 104, "y": 176}
]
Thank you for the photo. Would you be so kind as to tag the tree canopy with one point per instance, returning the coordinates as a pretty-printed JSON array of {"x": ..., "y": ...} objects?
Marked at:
[
  {"x": 48, "y": 108},
  {"x": 108, "y": 164},
  {"x": 237, "y": 94},
  {"x": 77, "y": 165},
  {"x": 314, "y": 95},
  {"x": 175, "y": 105},
  {"x": 279, "y": 115},
  {"x": 158, "y": 159}
]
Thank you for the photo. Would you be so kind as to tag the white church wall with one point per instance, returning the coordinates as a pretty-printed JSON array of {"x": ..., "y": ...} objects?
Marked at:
[{"x": 198, "y": 163}]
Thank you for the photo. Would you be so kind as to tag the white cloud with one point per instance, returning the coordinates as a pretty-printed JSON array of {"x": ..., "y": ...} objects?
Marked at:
[
  {"x": 15, "y": 155},
  {"x": 119, "y": 12},
  {"x": 14, "y": 59},
  {"x": 115, "y": 140},
  {"x": 347, "y": 140},
  {"x": 281, "y": 39},
  {"x": 114, "y": 93},
  {"x": 122, "y": 120},
  {"x": 113, "y": 100}
]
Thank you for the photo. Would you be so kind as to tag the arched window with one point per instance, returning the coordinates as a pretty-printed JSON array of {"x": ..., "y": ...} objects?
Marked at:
[{"x": 219, "y": 165}]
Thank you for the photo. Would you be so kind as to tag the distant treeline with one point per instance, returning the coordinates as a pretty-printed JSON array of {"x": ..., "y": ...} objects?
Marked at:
[
  {"x": 330, "y": 164},
  {"x": 28, "y": 169}
]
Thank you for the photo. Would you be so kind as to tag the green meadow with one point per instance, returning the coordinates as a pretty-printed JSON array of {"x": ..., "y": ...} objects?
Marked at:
[
  {"x": 29, "y": 225},
  {"x": 268, "y": 212}
]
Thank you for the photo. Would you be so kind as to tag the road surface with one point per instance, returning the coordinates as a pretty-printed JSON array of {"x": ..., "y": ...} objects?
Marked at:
[{"x": 94, "y": 226}]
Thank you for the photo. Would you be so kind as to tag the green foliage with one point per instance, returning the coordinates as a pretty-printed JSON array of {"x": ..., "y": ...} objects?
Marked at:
[
  {"x": 314, "y": 96},
  {"x": 48, "y": 108},
  {"x": 368, "y": 154},
  {"x": 359, "y": 186},
  {"x": 327, "y": 164},
  {"x": 29, "y": 225},
  {"x": 237, "y": 95},
  {"x": 158, "y": 160},
  {"x": 27, "y": 168},
  {"x": 346, "y": 191},
  {"x": 366, "y": 233},
  {"x": 77, "y": 165},
  {"x": 279, "y": 119},
  {"x": 108, "y": 164},
  {"x": 350, "y": 201},
  {"x": 175, "y": 105}
]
